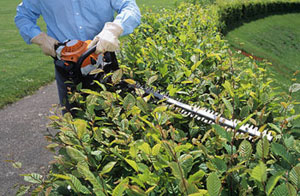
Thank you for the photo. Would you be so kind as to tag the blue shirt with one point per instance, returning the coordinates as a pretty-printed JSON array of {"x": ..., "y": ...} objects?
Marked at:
[{"x": 75, "y": 19}]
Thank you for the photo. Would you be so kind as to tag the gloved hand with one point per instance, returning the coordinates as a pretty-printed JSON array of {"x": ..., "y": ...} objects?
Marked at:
[
  {"x": 46, "y": 43},
  {"x": 107, "y": 39}
]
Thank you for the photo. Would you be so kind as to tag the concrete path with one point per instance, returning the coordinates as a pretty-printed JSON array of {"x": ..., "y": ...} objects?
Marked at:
[{"x": 22, "y": 129}]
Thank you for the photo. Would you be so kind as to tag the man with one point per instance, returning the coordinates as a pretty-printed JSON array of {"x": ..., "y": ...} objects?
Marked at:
[{"x": 79, "y": 20}]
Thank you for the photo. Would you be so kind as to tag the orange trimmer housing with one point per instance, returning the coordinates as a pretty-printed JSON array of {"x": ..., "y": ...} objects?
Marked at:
[{"x": 74, "y": 49}]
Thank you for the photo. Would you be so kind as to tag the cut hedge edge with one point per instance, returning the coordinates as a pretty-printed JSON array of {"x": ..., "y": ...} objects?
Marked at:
[{"x": 233, "y": 13}]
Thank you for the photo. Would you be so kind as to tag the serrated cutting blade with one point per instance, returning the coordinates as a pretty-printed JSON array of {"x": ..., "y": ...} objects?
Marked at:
[{"x": 209, "y": 117}]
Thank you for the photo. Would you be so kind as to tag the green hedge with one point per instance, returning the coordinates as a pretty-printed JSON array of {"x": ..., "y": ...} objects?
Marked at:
[
  {"x": 234, "y": 13},
  {"x": 123, "y": 143}
]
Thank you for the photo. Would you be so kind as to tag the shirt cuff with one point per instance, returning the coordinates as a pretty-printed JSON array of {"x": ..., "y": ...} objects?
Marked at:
[{"x": 34, "y": 33}]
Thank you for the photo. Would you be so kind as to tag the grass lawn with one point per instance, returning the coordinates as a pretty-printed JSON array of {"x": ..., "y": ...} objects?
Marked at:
[
  {"x": 24, "y": 68},
  {"x": 276, "y": 38}
]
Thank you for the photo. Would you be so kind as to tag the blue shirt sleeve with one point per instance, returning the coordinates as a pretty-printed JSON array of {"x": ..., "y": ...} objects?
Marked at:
[
  {"x": 129, "y": 16},
  {"x": 27, "y": 15}
]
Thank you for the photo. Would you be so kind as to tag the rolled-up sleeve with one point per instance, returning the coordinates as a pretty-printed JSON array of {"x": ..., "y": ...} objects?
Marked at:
[
  {"x": 25, "y": 19},
  {"x": 129, "y": 15}
]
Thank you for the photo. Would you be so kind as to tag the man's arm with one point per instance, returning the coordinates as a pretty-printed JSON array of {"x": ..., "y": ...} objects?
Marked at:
[
  {"x": 27, "y": 15},
  {"x": 129, "y": 15},
  {"x": 128, "y": 18}
]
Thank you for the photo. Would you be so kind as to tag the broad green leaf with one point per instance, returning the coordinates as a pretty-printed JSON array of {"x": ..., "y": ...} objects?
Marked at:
[
  {"x": 17, "y": 165},
  {"x": 140, "y": 102},
  {"x": 196, "y": 177},
  {"x": 117, "y": 76},
  {"x": 96, "y": 71},
  {"x": 183, "y": 147},
  {"x": 219, "y": 164},
  {"x": 185, "y": 187},
  {"x": 156, "y": 149},
  {"x": 130, "y": 81},
  {"x": 228, "y": 88},
  {"x": 138, "y": 181},
  {"x": 33, "y": 178},
  {"x": 289, "y": 142},
  {"x": 22, "y": 190},
  {"x": 132, "y": 164},
  {"x": 272, "y": 182},
  {"x": 85, "y": 172},
  {"x": 120, "y": 188},
  {"x": 100, "y": 85},
  {"x": 245, "y": 111},
  {"x": 262, "y": 148},
  {"x": 196, "y": 65},
  {"x": 186, "y": 163},
  {"x": 291, "y": 189},
  {"x": 124, "y": 124},
  {"x": 160, "y": 109},
  {"x": 222, "y": 132},
  {"x": 294, "y": 175},
  {"x": 152, "y": 79},
  {"x": 183, "y": 38},
  {"x": 297, "y": 146},
  {"x": 91, "y": 92},
  {"x": 176, "y": 170},
  {"x": 148, "y": 123},
  {"x": 228, "y": 105},
  {"x": 280, "y": 190},
  {"x": 77, "y": 186},
  {"x": 163, "y": 69},
  {"x": 275, "y": 127},
  {"x": 245, "y": 150},
  {"x": 129, "y": 102},
  {"x": 259, "y": 172},
  {"x": 133, "y": 151},
  {"x": 81, "y": 127},
  {"x": 145, "y": 147},
  {"x": 213, "y": 184},
  {"x": 150, "y": 189},
  {"x": 108, "y": 167},
  {"x": 75, "y": 154},
  {"x": 281, "y": 151}
]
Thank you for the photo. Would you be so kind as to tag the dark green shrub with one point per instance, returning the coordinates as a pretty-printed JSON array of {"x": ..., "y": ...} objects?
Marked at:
[{"x": 235, "y": 13}]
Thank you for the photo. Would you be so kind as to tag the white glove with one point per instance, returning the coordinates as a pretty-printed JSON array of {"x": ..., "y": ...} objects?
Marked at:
[
  {"x": 107, "y": 39},
  {"x": 46, "y": 43}
]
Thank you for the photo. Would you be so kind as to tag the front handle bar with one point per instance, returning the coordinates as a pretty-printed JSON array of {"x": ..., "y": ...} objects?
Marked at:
[{"x": 84, "y": 56}]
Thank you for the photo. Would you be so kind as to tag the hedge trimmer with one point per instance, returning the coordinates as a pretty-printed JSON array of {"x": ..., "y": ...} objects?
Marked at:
[{"x": 80, "y": 64}]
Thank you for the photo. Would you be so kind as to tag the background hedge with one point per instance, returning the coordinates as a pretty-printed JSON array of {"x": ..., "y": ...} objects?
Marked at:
[{"x": 234, "y": 13}]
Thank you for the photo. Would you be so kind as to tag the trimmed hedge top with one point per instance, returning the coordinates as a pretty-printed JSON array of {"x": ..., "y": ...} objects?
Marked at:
[{"x": 234, "y": 13}]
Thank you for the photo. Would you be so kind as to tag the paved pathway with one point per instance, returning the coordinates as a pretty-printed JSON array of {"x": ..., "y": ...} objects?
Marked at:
[{"x": 22, "y": 129}]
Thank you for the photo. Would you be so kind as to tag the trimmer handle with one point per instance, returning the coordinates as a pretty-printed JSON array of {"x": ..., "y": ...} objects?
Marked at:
[{"x": 84, "y": 56}]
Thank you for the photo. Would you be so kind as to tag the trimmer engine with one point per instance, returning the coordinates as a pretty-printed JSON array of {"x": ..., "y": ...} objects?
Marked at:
[
  {"x": 76, "y": 61},
  {"x": 70, "y": 51}
]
